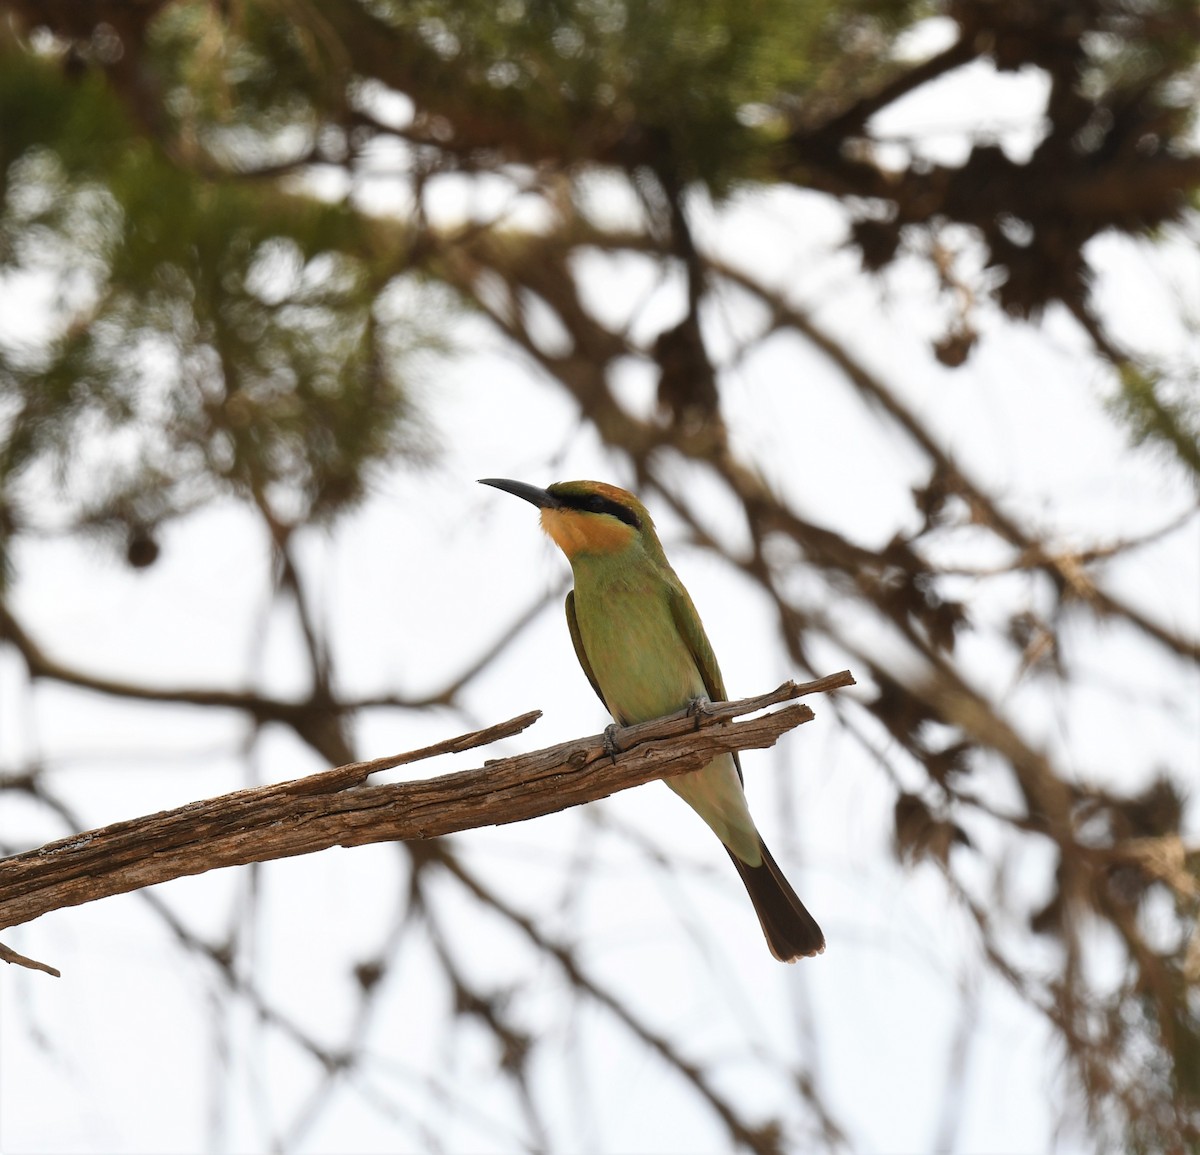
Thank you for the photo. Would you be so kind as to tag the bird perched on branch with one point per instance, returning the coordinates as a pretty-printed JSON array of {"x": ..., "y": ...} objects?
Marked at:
[{"x": 643, "y": 648}]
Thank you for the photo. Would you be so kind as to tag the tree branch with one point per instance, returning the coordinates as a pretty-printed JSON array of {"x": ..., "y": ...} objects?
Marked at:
[{"x": 335, "y": 808}]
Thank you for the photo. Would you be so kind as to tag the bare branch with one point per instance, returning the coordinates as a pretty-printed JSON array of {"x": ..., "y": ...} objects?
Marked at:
[
  {"x": 8, "y": 955},
  {"x": 41, "y": 665},
  {"x": 335, "y": 808},
  {"x": 762, "y": 1140},
  {"x": 1065, "y": 570},
  {"x": 295, "y": 713}
]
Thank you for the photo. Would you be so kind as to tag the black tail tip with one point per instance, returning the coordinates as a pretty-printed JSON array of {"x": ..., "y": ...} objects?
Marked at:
[{"x": 791, "y": 932}]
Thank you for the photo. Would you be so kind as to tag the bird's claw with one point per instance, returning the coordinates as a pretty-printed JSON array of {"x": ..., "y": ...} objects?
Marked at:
[
  {"x": 700, "y": 707},
  {"x": 611, "y": 746}
]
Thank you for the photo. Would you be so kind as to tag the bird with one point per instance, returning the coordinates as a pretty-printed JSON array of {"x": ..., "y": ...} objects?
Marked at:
[{"x": 643, "y": 648}]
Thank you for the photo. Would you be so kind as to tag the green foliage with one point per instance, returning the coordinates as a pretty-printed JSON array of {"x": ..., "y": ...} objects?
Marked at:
[
  {"x": 248, "y": 89},
  {"x": 209, "y": 336},
  {"x": 214, "y": 333},
  {"x": 227, "y": 327},
  {"x": 1161, "y": 415},
  {"x": 660, "y": 84}
]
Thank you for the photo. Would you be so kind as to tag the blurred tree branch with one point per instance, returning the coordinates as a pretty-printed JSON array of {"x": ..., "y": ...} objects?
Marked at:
[
  {"x": 166, "y": 149},
  {"x": 335, "y": 808}
]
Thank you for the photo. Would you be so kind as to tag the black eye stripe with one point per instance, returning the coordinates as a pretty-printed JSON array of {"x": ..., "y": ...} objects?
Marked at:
[{"x": 595, "y": 503}]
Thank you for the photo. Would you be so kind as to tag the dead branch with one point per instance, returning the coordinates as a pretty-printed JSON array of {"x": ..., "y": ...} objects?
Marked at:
[
  {"x": 336, "y": 808},
  {"x": 8, "y": 955}
]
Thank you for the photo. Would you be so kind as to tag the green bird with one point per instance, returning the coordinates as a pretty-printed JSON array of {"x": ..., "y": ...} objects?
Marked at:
[{"x": 643, "y": 648}]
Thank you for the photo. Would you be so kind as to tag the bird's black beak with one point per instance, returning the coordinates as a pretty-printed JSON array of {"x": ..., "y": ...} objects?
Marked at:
[{"x": 542, "y": 498}]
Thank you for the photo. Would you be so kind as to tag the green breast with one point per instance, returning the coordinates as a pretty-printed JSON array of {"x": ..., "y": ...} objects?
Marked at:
[{"x": 642, "y": 665}]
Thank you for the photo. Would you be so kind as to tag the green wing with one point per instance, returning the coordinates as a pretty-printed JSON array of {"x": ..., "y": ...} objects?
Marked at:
[
  {"x": 691, "y": 630},
  {"x": 577, "y": 642}
]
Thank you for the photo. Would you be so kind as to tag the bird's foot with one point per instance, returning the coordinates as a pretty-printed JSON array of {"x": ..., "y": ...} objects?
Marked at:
[
  {"x": 611, "y": 746},
  {"x": 700, "y": 707}
]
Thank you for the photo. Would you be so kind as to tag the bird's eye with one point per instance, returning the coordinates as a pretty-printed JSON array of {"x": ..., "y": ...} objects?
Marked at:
[{"x": 598, "y": 503}]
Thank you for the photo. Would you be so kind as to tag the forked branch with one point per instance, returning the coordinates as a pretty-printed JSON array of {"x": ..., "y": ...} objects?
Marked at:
[{"x": 337, "y": 808}]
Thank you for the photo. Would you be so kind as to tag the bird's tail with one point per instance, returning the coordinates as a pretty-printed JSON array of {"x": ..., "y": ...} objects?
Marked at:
[{"x": 791, "y": 931}]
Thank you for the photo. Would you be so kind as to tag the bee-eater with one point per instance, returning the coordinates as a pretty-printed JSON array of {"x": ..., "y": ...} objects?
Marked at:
[{"x": 643, "y": 648}]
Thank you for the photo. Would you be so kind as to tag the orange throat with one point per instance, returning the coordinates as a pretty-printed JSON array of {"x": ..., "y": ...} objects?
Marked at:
[{"x": 576, "y": 533}]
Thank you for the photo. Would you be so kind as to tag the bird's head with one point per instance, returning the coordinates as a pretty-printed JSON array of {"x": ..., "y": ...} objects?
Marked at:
[{"x": 585, "y": 517}]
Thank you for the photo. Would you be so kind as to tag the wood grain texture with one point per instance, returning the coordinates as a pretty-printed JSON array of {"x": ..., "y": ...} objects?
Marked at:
[{"x": 338, "y": 808}]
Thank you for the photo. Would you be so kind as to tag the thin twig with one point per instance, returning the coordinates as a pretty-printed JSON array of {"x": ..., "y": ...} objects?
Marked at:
[{"x": 8, "y": 955}]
